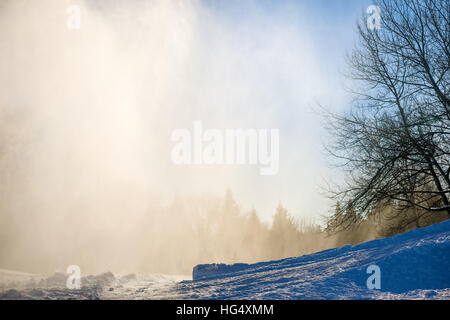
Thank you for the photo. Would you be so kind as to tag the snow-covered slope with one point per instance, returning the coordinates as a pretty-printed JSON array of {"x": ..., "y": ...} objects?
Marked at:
[{"x": 414, "y": 265}]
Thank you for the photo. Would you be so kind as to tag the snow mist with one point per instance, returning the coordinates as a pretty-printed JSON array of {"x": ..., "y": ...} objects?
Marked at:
[{"x": 86, "y": 115}]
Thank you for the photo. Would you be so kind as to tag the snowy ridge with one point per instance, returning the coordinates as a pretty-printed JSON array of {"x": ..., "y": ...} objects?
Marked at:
[{"x": 415, "y": 264}]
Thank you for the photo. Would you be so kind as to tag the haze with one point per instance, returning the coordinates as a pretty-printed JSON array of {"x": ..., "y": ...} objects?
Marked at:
[{"x": 86, "y": 119}]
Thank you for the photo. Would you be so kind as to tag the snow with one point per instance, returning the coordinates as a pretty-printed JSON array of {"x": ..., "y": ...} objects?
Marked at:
[
  {"x": 413, "y": 265},
  {"x": 216, "y": 270}
]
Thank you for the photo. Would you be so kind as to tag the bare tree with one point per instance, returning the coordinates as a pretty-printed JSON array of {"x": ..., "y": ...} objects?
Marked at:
[{"x": 394, "y": 143}]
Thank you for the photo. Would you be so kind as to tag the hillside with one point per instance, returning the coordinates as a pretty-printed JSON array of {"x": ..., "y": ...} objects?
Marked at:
[{"x": 413, "y": 265}]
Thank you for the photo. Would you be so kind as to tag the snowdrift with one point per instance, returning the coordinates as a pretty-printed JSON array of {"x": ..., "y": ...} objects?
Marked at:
[{"x": 415, "y": 264}]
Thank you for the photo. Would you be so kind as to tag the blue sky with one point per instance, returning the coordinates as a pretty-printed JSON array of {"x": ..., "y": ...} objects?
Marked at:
[
  {"x": 331, "y": 21},
  {"x": 326, "y": 30}
]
